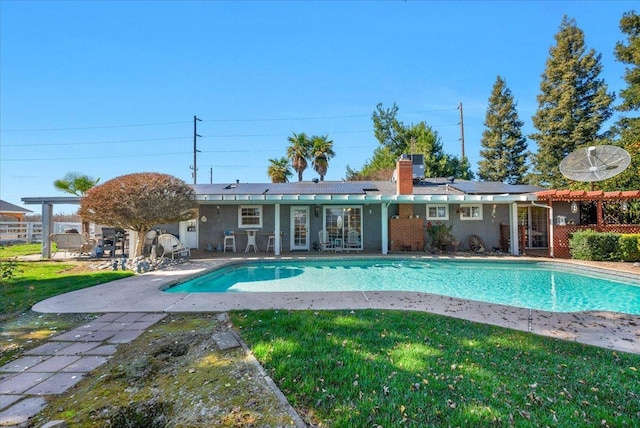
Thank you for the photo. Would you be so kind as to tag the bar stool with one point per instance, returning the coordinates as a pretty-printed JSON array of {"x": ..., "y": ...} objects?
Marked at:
[
  {"x": 251, "y": 241},
  {"x": 271, "y": 243},
  {"x": 229, "y": 240}
]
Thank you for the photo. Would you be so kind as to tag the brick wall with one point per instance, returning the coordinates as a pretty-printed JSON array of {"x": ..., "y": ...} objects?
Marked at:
[{"x": 406, "y": 234}]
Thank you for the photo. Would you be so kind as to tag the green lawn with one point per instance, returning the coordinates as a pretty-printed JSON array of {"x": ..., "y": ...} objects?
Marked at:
[
  {"x": 7, "y": 251},
  {"x": 391, "y": 368}
]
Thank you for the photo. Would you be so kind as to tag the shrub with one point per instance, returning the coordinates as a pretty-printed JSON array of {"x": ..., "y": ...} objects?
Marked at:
[
  {"x": 629, "y": 247},
  {"x": 591, "y": 245}
]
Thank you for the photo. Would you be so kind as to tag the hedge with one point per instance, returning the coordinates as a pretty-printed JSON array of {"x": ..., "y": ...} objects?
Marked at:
[{"x": 597, "y": 246}]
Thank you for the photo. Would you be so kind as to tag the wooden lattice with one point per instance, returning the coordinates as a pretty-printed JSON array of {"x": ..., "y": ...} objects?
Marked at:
[{"x": 561, "y": 235}]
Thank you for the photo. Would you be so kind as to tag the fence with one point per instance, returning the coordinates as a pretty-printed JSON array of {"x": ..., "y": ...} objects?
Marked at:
[{"x": 29, "y": 232}]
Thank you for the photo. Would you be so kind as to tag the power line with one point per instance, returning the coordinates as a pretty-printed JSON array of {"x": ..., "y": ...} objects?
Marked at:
[
  {"x": 272, "y": 119},
  {"x": 85, "y": 128}
]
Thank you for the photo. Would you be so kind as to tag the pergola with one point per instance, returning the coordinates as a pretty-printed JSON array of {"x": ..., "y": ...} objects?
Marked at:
[
  {"x": 561, "y": 233},
  {"x": 47, "y": 204}
]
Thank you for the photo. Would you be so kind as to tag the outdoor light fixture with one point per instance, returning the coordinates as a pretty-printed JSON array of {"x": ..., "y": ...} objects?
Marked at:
[
  {"x": 574, "y": 207},
  {"x": 218, "y": 209},
  {"x": 316, "y": 210},
  {"x": 203, "y": 218},
  {"x": 624, "y": 206}
]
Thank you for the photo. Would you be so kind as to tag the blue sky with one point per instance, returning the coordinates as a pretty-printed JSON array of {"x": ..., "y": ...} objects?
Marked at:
[{"x": 110, "y": 88}]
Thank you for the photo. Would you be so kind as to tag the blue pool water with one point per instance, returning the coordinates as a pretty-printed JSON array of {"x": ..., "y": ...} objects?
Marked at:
[{"x": 545, "y": 286}]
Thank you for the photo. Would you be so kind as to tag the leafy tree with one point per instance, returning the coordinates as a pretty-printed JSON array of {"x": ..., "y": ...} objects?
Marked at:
[
  {"x": 75, "y": 183},
  {"x": 322, "y": 151},
  {"x": 299, "y": 151},
  {"x": 279, "y": 171},
  {"x": 572, "y": 106},
  {"x": 504, "y": 147},
  {"x": 138, "y": 202},
  {"x": 396, "y": 138}
]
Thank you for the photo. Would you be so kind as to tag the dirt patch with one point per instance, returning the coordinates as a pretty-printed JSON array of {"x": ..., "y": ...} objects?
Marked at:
[{"x": 173, "y": 375}]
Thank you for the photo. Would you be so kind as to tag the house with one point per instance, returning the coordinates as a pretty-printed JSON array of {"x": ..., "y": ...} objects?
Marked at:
[
  {"x": 388, "y": 216},
  {"x": 7, "y": 209},
  {"x": 379, "y": 216}
]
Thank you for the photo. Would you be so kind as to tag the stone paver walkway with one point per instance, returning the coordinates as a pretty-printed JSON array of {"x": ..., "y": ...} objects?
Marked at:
[{"x": 59, "y": 364}]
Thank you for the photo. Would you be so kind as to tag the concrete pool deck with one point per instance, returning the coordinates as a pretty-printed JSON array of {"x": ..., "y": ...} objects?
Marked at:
[{"x": 142, "y": 293}]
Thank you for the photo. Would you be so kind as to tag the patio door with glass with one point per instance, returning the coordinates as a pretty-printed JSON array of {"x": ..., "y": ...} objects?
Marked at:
[
  {"x": 535, "y": 221},
  {"x": 299, "y": 228}
]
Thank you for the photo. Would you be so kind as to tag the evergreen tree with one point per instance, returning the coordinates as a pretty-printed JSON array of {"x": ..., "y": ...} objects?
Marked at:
[
  {"x": 628, "y": 127},
  {"x": 572, "y": 106},
  {"x": 504, "y": 147}
]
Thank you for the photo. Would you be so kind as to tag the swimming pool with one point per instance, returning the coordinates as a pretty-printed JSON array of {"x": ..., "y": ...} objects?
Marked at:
[{"x": 545, "y": 286}]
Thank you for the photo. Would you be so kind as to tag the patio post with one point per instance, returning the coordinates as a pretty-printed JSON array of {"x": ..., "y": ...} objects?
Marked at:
[
  {"x": 515, "y": 244},
  {"x": 47, "y": 229},
  {"x": 384, "y": 225},
  {"x": 277, "y": 238}
]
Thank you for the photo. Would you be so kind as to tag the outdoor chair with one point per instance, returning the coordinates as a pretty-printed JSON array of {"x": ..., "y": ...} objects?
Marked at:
[
  {"x": 325, "y": 242},
  {"x": 353, "y": 240},
  {"x": 74, "y": 243},
  {"x": 171, "y": 246}
]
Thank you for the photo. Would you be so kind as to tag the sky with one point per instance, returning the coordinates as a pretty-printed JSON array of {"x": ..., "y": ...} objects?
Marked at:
[{"x": 108, "y": 88}]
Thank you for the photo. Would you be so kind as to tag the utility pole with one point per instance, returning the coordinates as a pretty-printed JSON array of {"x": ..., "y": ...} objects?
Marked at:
[
  {"x": 195, "y": 149},
  {"x": 461, "y": 129},
  {"x": 211, "y": 175}
]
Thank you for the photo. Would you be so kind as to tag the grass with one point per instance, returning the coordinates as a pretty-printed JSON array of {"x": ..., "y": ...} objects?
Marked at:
[
  {"x": 7, "y": 251},
  {"x": 391, "y": 368}
]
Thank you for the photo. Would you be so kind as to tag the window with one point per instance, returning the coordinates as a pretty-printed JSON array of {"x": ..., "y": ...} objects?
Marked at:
[
  {"x": 470, "y": 212},
  {"x": 250, "y": 216},
  {"x": 437, "y": 212}
]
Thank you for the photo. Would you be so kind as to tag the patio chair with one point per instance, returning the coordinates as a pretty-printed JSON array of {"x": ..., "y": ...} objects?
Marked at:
[
  {"x": 353, "y": 241},
  {"x": 325, "y": 242},
  {"x": 172, "y": 246},
  {"x": 74, "y": 243}
]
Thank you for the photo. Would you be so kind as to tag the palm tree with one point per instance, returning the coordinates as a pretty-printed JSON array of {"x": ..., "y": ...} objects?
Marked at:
[
  {"x": 299, "y": 151},
  {"x": 279, "y": 171},
  {"x": 75, "y": 183},
  {"x": 322, "y": 151}
]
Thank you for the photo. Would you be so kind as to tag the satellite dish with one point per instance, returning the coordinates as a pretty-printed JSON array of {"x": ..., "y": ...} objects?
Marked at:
[{"x": 595, "y": 163}]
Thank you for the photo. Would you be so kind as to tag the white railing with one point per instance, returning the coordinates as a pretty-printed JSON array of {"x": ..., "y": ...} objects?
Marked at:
[{"x": 29, "y": 232}]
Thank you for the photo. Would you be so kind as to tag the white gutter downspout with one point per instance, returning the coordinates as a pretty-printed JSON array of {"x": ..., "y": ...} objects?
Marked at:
[
  {"x": 384, "y": 217},
  {"x": 550, "y": 224}
]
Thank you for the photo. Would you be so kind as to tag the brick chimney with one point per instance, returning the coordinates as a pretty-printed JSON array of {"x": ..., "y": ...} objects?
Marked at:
[
  {"x": 404, "y": 174},
  {"x": 405, "y": 231}
]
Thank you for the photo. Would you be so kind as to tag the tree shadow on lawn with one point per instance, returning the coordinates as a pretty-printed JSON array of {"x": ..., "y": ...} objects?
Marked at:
[{"x": 392, "y": 367}]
